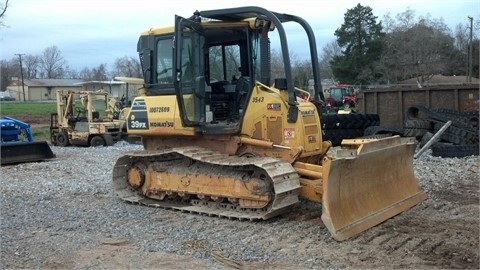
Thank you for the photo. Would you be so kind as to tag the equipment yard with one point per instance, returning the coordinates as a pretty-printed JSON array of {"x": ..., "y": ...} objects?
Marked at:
[
  {"x": 64, "y": 214},
  {"x": 242, "y": 160}
]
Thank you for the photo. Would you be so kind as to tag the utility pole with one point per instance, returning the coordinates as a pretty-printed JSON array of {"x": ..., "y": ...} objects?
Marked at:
[
  {"x": 21, "y": 73},
  {"x": 470, "y": 49}
]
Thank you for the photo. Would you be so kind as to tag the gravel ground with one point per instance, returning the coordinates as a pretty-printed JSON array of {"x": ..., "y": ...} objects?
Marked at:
[{"x": 62, "y": 214}]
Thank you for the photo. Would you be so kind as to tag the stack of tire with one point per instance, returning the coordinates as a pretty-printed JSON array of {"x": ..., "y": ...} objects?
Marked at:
[
  {"x": 460, "y": 139},
  {"x": 337, "y": 127}
]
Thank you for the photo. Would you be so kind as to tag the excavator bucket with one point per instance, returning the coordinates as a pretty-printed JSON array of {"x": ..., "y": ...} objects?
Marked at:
[
  {"x": 367, "y": 182},
  {"x": 20, "y": 152}
]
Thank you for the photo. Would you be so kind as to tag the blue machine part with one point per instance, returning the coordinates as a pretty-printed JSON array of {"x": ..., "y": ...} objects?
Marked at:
[
  {"x": 17, "y": 144},
  {"x": 11, "y": 129}
]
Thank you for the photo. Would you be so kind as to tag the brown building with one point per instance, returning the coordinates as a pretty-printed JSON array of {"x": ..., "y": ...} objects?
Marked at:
[
  {"x": 45, "y": 89},
  {"x": 41, "y": 89}
]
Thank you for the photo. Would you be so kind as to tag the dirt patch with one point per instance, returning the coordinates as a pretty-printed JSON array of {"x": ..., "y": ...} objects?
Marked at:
[
  {"x": 33, "y": 119},
  {"x": 62, "y": 214}
]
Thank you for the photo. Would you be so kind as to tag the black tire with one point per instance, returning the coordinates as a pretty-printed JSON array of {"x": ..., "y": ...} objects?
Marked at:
[
  {"x": 337, "y": 135},
  {"x": 460, "y": 122},
  {"x": 457, "y": 135},
  {"x": 417, "y": 112},
  {"x": 375, "y": 130},
  {"x": 417, "y": 127},
  {"x": 97, "y": 141},
  {"x": 425, "y": 139},
  {"x": 418, "y": 124},
  {"x": 349, "y": 121},
  {"x": 448, "y": 150},
  {"x": 62, "y": 139}
]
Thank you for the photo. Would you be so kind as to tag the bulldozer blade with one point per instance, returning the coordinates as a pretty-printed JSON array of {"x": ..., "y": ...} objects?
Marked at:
[
  {"x": 368, "y": 186},
  {"x": 20, "y": 152}
]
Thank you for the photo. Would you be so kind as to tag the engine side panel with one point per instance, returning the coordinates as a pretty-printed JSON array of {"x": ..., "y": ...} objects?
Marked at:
[{"x": 157, "y": 116}]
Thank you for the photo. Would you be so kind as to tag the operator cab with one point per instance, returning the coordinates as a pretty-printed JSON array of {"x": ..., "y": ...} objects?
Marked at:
[
  {"x": 213, "y": 73},
  {"x": 211, "y": 60}
]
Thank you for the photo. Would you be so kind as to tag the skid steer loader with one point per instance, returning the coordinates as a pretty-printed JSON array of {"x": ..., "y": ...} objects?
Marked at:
[
  {"x": 86, "y": 118},
  {"x": 222, "y": 137}
]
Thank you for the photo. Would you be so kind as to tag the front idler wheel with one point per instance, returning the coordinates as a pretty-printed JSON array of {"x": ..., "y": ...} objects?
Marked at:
[{"x": 136, "y": 176}]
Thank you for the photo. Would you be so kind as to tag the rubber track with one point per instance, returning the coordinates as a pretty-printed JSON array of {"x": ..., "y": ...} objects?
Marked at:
[
  {"x": 286, "y": 183},
  {"x": 449, "y": 151}
]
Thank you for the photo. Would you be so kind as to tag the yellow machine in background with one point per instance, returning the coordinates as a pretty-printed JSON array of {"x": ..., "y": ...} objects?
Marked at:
[
  {"x": 88, "y": 118},
  {"x": 222, "y": 137}
]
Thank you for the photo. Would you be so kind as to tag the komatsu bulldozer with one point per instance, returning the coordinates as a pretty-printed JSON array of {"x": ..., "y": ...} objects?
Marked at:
[{"x": 223, "y": 138}]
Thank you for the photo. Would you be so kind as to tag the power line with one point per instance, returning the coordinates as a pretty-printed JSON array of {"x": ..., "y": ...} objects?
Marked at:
[
  {"x": 21, "y": 73},
  {"x": 470, "y": 49}
]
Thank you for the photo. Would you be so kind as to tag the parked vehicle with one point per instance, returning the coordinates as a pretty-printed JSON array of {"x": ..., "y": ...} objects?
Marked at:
[
  {"x": 5, "y": 96},
  {"x": 86, "y": 118},
  {"x": 18, "y": 145},
  {"x": 342, "y": 97}
]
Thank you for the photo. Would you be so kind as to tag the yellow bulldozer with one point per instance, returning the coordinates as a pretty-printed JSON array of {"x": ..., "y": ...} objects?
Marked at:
[{"x": 223, "y": 138}]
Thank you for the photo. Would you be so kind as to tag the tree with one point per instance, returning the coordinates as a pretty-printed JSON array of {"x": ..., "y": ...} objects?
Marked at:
[
  {"x": 360, "y": 38},
  {"x": 302, "y": 72},
  {"x": 301, "y": 68},
  {"x": 475, "y": 57},
  {"x": 462, "y": 39},
  {"x": 276, "y": 64},
  {"x": 8, "y": 69},
  {"x": 416, "y": 48},
  {"x": 31, "y": 65},
  {"x": 52, "y": 63},
  {"x": 329, "y": 51},
  {"x": 3, "y": 11},
  {"x": 99, "y": 73},
  {"x": 85, "y": 74},
  {"x": 72, "y": 74},
  {"x": 127, "y": 67}
]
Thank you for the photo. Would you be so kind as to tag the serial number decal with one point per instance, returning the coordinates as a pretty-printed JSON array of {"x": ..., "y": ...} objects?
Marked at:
[
  {"x": 309, "y": 112},
  {"x": 257, "y": 99},
  {"x": 159, "y": 109},
  {"x": 161, "y": 124},
  {"x": 273, "y": 106},
  {"x": 289, "y": 133}
]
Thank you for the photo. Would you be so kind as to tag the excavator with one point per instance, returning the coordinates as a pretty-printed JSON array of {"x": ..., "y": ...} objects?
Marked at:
[{"x": 223, "y": 138}]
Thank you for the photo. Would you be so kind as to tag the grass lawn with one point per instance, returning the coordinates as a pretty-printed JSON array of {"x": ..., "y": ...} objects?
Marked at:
[
  {"x": 20, "y": 108},
  {"x": 37, "y": 114}
]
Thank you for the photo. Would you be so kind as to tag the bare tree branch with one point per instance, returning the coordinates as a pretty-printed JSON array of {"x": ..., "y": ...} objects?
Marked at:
[{"x": 3, "y": 10}]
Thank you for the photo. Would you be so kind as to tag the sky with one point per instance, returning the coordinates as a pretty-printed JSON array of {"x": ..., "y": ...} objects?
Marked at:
[{"x": 93, "y": 32}]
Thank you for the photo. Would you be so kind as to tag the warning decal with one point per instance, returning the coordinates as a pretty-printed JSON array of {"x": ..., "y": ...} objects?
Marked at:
[{"x": 289, "y": 133}]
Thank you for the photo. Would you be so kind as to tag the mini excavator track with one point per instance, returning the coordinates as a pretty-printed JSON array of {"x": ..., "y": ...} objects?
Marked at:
[{"x": 198, "y": 180}]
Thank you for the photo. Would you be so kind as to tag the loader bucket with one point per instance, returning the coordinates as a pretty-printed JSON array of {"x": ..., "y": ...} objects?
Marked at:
[
  {"x": 20, "y": 152},
  {"x": 370, "y": 182}
]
